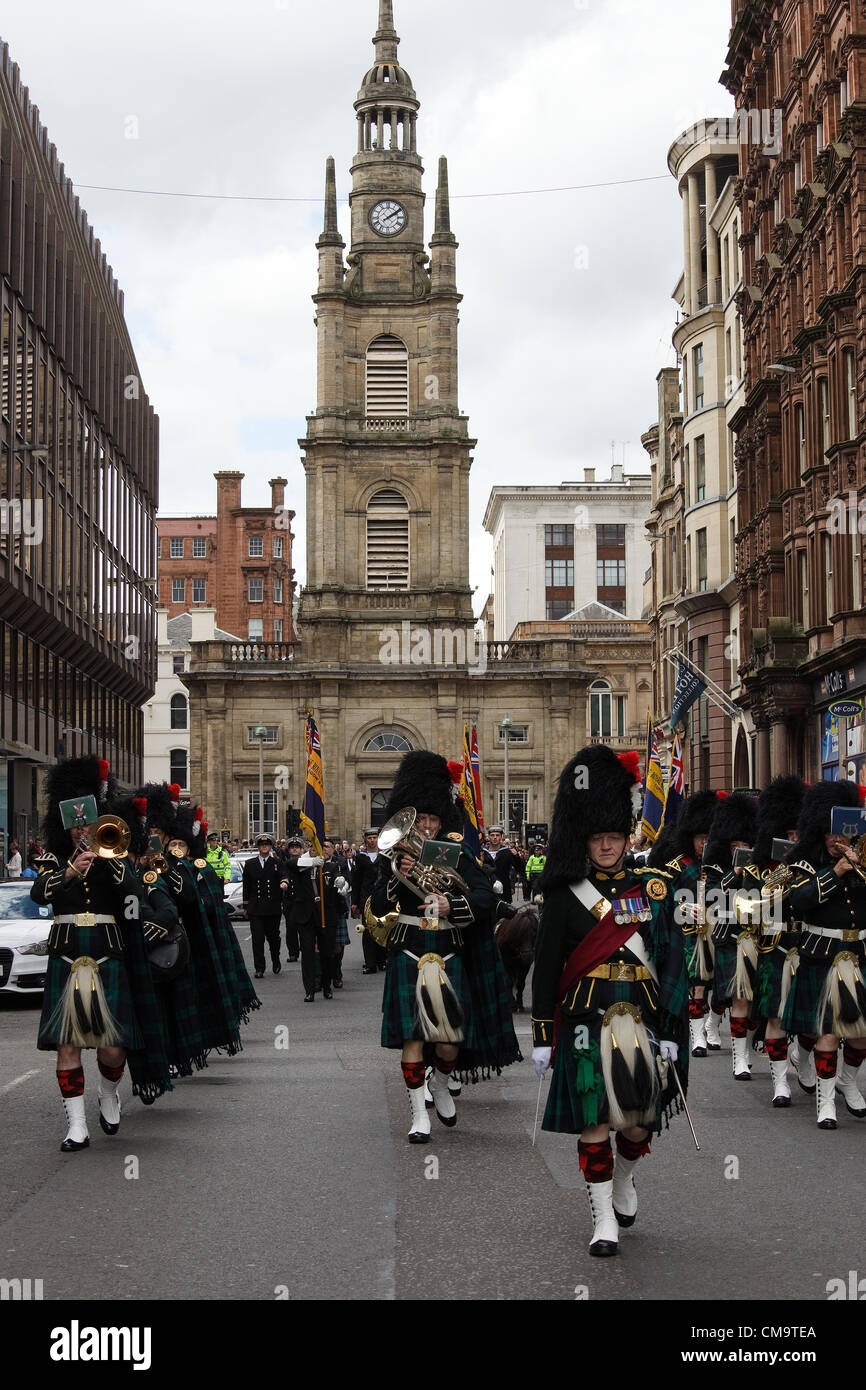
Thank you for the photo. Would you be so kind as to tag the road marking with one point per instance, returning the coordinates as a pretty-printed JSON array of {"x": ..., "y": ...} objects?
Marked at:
[{"x": 10, "y": 1085}]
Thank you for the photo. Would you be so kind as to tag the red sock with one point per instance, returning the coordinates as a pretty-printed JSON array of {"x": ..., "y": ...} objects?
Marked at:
[
  {"x": 110, "y": 1073},
  {"x": 720, "y": 1013},
  {"x": 851, "y": 1056},
  {"x": 697, "y": 1008},
  {"x": 825, "y": 1063},
  {"x": 806, "y": 1044},
  {"x": 71, "y": 1082},
  {"x": 739, "y": 1027},
  {"x": 596, "y": 1161},
  {"x": 413, "y": 1074},
  {"x": 445, "y": 1067},
  {"x": 776, "y": 1049},
  {"x": 632, "y": 1148}
]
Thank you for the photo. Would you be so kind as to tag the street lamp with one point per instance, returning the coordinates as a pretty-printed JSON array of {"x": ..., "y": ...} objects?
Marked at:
[
  {"x": 505, "y": 725},
  {"x": 260, "y": 732}
]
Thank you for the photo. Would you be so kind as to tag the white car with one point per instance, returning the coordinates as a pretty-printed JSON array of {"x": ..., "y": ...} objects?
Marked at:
[
  {"x": 233, "y": 891},
  {"x": 24, "y": 928}
]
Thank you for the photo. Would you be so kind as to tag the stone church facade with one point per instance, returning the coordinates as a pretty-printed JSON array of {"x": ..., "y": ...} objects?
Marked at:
[{"x": 387, "y": 656}]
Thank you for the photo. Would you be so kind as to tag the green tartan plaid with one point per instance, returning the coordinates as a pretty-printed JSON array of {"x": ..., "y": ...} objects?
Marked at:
[
  {"x": 114, "y": 977},
  {"x": 399, "y": 1009}
]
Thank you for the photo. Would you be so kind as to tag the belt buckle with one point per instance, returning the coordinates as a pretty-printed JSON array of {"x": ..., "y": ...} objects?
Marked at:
[
  {"x": 429, "y": 923},
  {"x": 623, "y": 971},
  {"x": 850, "y": 934},
  {"x": 85, "y": 919}
]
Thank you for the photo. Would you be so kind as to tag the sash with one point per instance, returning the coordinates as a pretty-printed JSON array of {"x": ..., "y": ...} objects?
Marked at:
[{"x": 599, "y": 944}]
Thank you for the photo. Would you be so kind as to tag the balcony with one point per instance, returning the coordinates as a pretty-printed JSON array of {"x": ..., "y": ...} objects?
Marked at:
[
  {"x": 253, "y": 653},
  {"x": 710, "y": 294}
]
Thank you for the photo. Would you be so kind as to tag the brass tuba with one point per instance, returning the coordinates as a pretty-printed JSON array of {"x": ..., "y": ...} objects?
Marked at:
[{"x": 398, "y": 837}]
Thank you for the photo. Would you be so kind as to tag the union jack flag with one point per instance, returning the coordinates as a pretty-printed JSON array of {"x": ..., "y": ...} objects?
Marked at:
[{"x": 676, "y": 785}]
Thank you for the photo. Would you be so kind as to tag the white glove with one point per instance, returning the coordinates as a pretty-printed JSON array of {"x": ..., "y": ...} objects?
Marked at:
[
  {"x": 497, "y": 887},
  {"x": 540, "y": 1060},
  {"x": 341, "y": 885},
  {"x": 669, "y": 1051},
  {"x": 308, "y": 861}
]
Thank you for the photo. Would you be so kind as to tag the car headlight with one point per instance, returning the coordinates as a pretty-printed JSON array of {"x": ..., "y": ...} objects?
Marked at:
[{"x": 39, "y": 948}]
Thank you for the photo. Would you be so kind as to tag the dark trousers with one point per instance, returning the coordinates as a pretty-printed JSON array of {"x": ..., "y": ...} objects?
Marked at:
[
  {"x": 374, "y": 956},
  {"x": 292, "y": 944},
  {"x": 313, "y": 934},
  {"x": 260, "y": 928}
]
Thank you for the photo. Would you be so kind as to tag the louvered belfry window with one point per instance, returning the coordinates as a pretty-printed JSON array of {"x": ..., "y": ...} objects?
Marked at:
[
  {"x": 388, "y": 541},
  {"x": 387, "y": 376}
]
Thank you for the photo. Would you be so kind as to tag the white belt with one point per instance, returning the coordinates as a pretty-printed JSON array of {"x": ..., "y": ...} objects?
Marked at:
[
  {"x": 837, "y": 933},
  {"x": 93, "y": 919}
]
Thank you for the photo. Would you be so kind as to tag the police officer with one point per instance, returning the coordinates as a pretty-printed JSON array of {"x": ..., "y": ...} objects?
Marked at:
[{"x": 218, "y": 858}]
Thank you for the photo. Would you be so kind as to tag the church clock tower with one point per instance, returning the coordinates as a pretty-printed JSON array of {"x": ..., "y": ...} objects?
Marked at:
[{"x": 387, "y": 454}]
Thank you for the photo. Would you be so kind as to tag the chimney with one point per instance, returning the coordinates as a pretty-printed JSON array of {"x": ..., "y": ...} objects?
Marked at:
[
  {"x": 589, "y": 475},
  {"x": 278, "y": 493},
  {"x": 228, "y": 491},
  {"x": 203, "y": 624},
  {"x": 616, "y": 472}
]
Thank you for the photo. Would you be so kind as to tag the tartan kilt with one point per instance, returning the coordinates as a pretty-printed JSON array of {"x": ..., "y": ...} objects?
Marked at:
[
  {"x": 342, "y": 938},
  {"x": 114, "y": 976},
  {"x": 725, "y": 970},
  {"x": 399, "y": 1009},
  {"x": 186, "y": 1043},
  {"x": 802, "y": 1006},
  {"x": 768, "y": 981},
  {"x": 564, "y": 1112}
]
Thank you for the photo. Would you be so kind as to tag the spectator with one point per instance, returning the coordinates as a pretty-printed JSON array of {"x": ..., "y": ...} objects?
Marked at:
[
  {"x": 31, "y": 870},
  {"x": 13, "y": 865}
]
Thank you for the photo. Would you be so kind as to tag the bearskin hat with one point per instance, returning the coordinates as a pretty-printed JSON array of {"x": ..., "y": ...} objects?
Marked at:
[
  {"x": 132, "y": 810},
  {"x": 73, "y": 777},
  {"x": 189, "y": 826},
  {"x": 597, "y": 792},
  {"x": 814, "y": 822},
  {"x": 161, "y": 808},
  {"x": 779, "y": 807},
  {"x": 735, "y": 819},
  {"x": 423, "y": 781},
  {"x": 695, "y": 818}
]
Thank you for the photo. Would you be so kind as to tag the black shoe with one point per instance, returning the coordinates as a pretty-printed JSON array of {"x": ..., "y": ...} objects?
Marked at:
[
  {"x": 309, "y": 998},
  {"x": 624, "y": 1221},
  {"x": 327, "y": 994},
  {"x": 293, "y": 959},
  {"x": 338, "y": 984},
  {"x": 604, "y": 1247},
  {"x": 369, "y": 970},
  {"x": 699, "y": 1051},
  {"x": 277, "y": 968},
  {"x": 70, "y": 1146},
  {"x": 259, "y": 975}
]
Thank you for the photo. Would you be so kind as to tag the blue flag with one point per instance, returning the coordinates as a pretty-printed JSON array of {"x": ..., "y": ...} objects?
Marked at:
[{"x": 689, "y": 687}]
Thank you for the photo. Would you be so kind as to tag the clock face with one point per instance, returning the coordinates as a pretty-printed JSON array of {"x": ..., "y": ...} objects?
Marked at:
[{"x": 388, "y": 217}]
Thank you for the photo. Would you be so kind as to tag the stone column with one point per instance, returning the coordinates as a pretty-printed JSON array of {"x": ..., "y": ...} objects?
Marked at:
[
  {"x": 762, "y": 756},
  {"x": 687, "y": 254},
  {"x": 695, "y": 238},
  {"x": 712, "y": 239},
  {"x": 381, "y": 130},
  {"x": 780, "y": 760}
]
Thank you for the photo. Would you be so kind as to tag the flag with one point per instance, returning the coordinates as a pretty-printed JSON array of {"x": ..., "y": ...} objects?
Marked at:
[
  {"x": 476, "y": 776},
  {"x": 473, "y": 823},
  {"x": 676, "y": 785},
  {"x": 654, "y": 796},
  {"x": 689, "y": 687},
  {"x": 313, "y": 814}
]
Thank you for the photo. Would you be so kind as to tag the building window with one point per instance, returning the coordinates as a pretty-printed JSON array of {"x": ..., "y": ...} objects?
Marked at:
[
  {"x": 850, "y": 392},
  {"x": 698, "y": 375},
  {"x": 255, "y": 630},
  {"x": 700, "y": 469},
  {"x": 175, "y": 547},
  {"x": 278, "y": 591},
  {"x": 256, "y": 590},
  {"x": 517, "y": 733},
  {"x": 278, "y": 547},
  {"x": 557, "y": 608},
  {"x": 559, "y": 574},
  {"x": 518, "y": 809},
  {"x": 388, "y": 742},
  {"x": 824, "y": 406},
  {"x": 732, "y": 544},
  {"x": 735, "y": 656},
  {"x": 271, "y": 735},
  {"x": 829, "y": 601},
  {"x": 256, "y": 547},
  {"x": 199, "y": 547},
  {"x": 559, "y": 536},
  {"x": 179, "y": 712},
  {"x": 178, "y": 664},
  {"x": 199, "y": 588},
  {"x": 800, "y": 436},
  {"x": 701, "y": 542},
  {"x": 387, "y": 376},
  {"x": 159, "y": 548},
  {"x": 610, "y": 572},
  {"x": 278, "y": 629},
  {"x": 804, "y": 590},
  {"x": 606, "y": 712},
  {"x": 856, "y": 570},
  {"x": 178, "y": 590},
  {"x": 254, "y": 820},
  {"x": 177, "y": 764},
  {"x": 729, "y": 364},
  {"x": 674, "y": 579},
  {"x": 388, "y": 541},
  {"x": 379, "y": 798}
]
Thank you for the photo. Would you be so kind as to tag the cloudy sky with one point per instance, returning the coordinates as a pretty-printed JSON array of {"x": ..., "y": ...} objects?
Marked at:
[{"x": 567, "y": 314}]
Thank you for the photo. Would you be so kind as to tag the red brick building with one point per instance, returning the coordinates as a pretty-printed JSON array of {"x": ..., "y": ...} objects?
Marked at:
[
  {"x": 798, "y": 69},
  {"x": 238, "y": 562}
]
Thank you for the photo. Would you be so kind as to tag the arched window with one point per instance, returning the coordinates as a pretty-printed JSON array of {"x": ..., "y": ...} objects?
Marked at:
[
  {"x": 606, "y": 712},
  {"x": 386, "y": 742},
  {"x": 178, "y": 767},
  {"x": 179, "y": 712},
  {"x": 387, "y": 376},
  {"x": 388, "y": 540}
]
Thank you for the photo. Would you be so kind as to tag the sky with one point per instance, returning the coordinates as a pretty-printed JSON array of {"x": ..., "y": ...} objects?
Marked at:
[{"x": 567, "y": 314}]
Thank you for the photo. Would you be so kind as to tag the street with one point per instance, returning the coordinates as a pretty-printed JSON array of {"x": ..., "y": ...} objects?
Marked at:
[{"x": 286, "y": 1173}]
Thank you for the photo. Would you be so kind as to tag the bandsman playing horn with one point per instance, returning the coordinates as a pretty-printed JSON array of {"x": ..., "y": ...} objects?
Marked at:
[{"x": 610, "y": 989}]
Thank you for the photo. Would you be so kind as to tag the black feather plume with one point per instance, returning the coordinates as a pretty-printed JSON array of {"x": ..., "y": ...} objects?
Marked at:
[
  {"x": 453, "y": 1011},
  {"x": 80, "y": 1011},
  {"x": 96, "y": 1019},
  {"x": 642, "y": 1080},
  {"x": 427, "y": 1002},
  {"x": 848, "y": 1010},
  {"x": 623, "y": 1082}
]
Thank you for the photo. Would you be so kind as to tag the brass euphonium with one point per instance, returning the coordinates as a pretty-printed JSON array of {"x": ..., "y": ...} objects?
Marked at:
[{"x": 400, "y": 837}]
